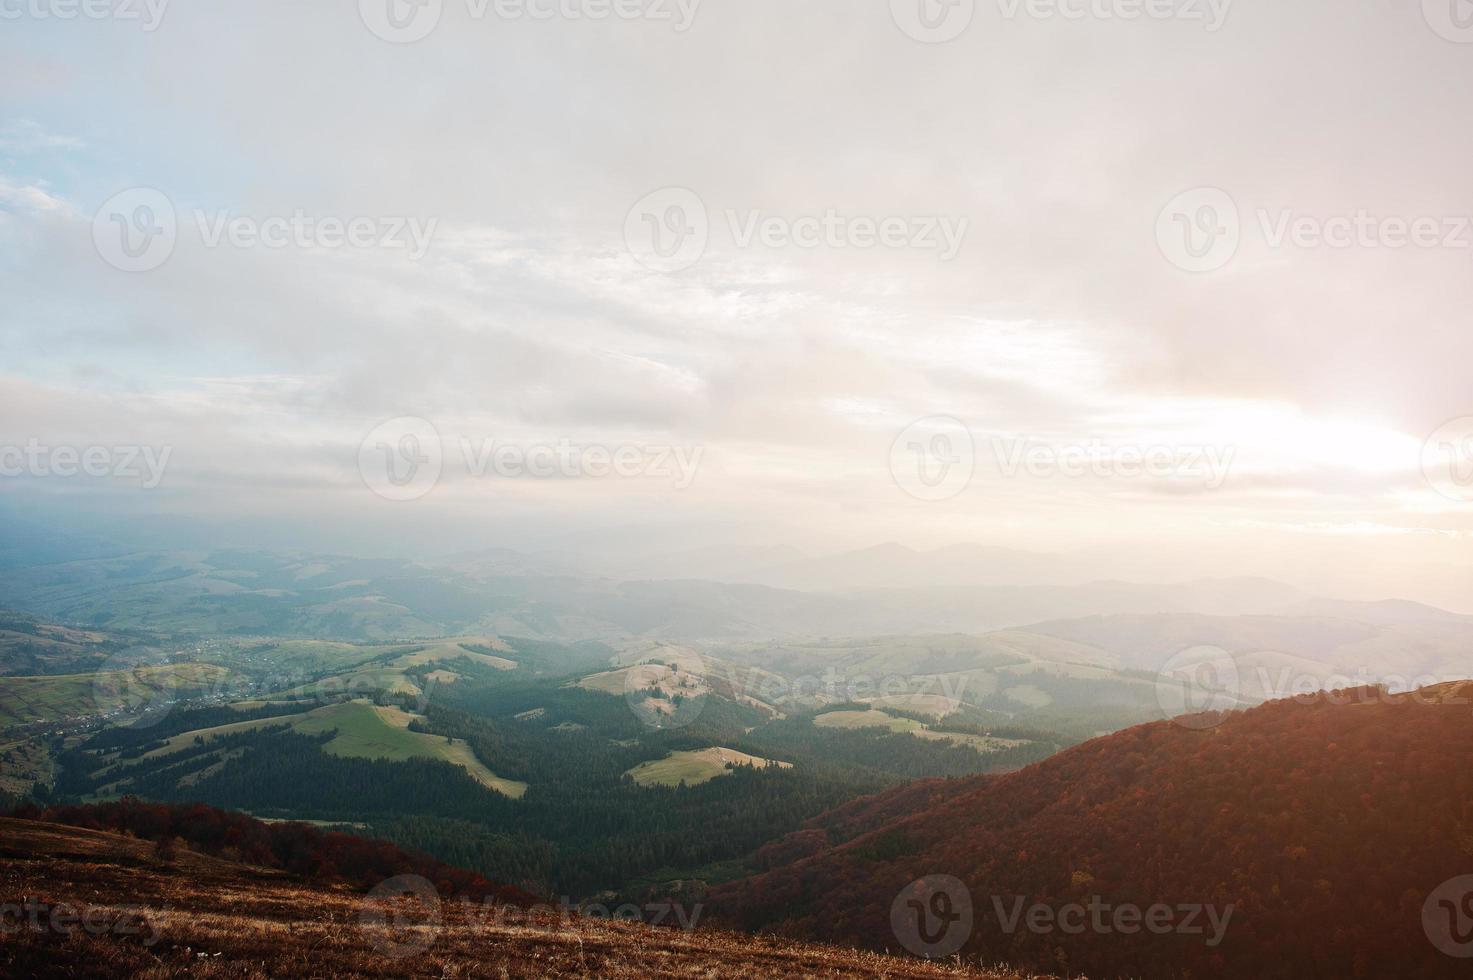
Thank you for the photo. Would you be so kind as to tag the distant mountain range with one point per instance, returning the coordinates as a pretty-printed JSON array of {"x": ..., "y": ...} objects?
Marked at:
[{"x": 1125, "y": 625}]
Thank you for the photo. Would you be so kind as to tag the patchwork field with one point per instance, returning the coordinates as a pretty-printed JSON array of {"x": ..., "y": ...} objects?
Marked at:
[
  {"x": 695, "y": 767},
  {"x": 55, "y": 698},
  {"x": 30, "y": 647},
  {"x": 936, "y": 705},
  {"x": 24, "y": 763},
  {"x": 458, "y": 647},
  {"x": 873, "y": 718},
  {"x": 312, "y": 655},
  {"x": 369, "y": 681},
  {"x": 878, "y": 719},
  {"x": 391, "y": 677}
]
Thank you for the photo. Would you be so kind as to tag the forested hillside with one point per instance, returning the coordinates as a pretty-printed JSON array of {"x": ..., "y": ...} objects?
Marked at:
[{"x": 1319, "y": 830}]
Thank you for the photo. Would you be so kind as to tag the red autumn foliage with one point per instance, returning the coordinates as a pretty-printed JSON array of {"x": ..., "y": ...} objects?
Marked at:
[
  {"x": 321, "y": 857},
  {"x": 1325, "y": 825}
]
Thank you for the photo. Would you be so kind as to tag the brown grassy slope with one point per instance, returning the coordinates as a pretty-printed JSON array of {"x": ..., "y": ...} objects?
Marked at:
[{"x": 213, "y": 918}]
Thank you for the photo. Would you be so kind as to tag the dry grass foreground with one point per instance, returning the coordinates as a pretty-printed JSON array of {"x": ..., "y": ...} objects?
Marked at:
[{"x": 203, "y": 917}]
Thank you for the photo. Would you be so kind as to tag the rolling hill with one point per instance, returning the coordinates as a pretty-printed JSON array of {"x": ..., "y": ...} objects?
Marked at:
[
  {"x": 29, "y": 646},
  {"x": 1308, "y": 838},
  {"x": 360, "y": 729}
]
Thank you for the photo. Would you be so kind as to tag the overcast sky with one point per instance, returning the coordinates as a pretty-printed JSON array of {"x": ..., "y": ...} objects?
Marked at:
[{"x": 1089, "y": 240}]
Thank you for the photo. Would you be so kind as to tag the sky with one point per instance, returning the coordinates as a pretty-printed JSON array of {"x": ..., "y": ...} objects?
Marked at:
[{"x": 1180, "y": 278}]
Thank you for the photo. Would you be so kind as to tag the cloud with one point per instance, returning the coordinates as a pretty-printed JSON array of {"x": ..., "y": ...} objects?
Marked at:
[
  {"x": 1059, "y": 322},
  {"x": 17, "y": 196}
]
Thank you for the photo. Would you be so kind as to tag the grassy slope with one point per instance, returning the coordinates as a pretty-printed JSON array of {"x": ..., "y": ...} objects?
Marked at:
[
  {"x": 455, "y": 648},
  {"x": 23, "y": 763},
  {"x": 210, "y": 918},
  {"x": 694, "y": 768},
  {"x": 878, "y": 719},
  {"x": 28, "y": 699},
  {"x": 391, "y": 679},
  {"x": 368, "y": 731}
]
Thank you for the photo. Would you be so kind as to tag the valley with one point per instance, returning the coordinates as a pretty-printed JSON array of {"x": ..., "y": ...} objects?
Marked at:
[{"x": 611, "y": 768}]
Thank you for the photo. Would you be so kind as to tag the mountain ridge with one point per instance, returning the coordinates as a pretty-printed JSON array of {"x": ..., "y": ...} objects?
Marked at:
[{"x": 1324, "y": 823}]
